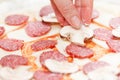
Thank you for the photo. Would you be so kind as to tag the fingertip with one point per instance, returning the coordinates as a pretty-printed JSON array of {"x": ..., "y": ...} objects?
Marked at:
[{"x": 75, "y": 22}]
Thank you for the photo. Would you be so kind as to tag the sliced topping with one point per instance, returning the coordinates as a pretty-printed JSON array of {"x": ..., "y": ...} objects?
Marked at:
[
  {"x": 79, "y": 76},
  {"x": 50, "y": 18},
  {"x": 43, "y": 44},
  {"x": 7, "y": 73},
  {"x": 116, "y": 32},
  {"x": 79, "y": 51},
  {"x": 114, "y": 22},
  {"x": 111, "y": 58},
  {"x": 36, "y": 29},
  {"x": 91, "y": 66},
  {"x": 51, "y": 55},
  {"x": 46, "y": 10},
  {"x": 42, "y": 75},
  {"x": 76, "y": 36},
  {"x": 2, "y": 30},
  {"x": 104, "y": 73},
  {"x": 103, "y": 34},
  {"x": 11, "y": 44},
  {"x": 61, "y": 67},
  {"x": 16, "y": 19},
  {"x": 95, "y": 14},
  {"x": 13, "y": 61},
  {"x": 114, "y": 45}
]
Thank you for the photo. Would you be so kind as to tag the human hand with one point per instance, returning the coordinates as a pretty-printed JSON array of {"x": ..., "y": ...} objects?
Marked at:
[{"x": 74, "y": 14}]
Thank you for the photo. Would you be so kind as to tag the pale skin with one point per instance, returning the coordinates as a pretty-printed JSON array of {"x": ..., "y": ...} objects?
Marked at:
[{"x": 76, "y": 14}]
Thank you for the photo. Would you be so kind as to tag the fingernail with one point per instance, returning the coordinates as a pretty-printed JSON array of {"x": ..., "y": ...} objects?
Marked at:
[{"x": 76, "y": 22}]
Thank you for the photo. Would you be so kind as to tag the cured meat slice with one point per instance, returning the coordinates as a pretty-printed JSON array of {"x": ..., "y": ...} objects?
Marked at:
[
  {"x": 103, "y": 34},
  {"x": 95, "y": 14},
  {"x": 43, "y": 44},
  {"x": 56, "y": 55},
  {"x": 46, "y": 10},
  {"x": 13, "y": 61},
  {"x": 2, "y": 30},
  {"x": 42, "y": 75},
  {"x": 11, "y": 44},
  {"x": 36, "y": 29},
  {"x": 115, "y": 22},
  {"x": 114, "y": 45},
  {"x": 16, "y": 19},
  {"x": 93, "y": 66},
  {"x": 79, "y": 51}
]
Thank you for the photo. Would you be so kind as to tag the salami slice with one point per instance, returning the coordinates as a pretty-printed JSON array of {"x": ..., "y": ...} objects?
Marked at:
[
  {"x": 95, "y": 14},
  {"x": 51, "y": 55},
  {"x": 103, "y": 34},
  {"x": 16, "y": 19},
  {"x": 93, "y": 66},
  {"x": 114, "y": 45},
  {"x": 79, "y": 51},
  {"x": 43, "y": 44},
  {"x": 2, "y": 30},
  {"x": 13, "y": 61},
  {"x": 115, "y": 22},
  {"x": 11, "y": 44},
  {"x": 46, "y": 10},
  {"x": 42, "y": 75},
  {"x": 36, "y": 29}
]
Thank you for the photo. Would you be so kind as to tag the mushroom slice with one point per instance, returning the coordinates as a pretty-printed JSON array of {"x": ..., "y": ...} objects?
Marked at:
[
  {"x": 76, "y": 36},
  {"x": 116, "y": 32},
  {"x": 57, "y": 66},
  {"x": 50, "y": 18}
]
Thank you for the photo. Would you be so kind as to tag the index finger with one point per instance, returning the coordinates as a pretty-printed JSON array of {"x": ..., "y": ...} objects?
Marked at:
[{"x": 86, "y": 11}]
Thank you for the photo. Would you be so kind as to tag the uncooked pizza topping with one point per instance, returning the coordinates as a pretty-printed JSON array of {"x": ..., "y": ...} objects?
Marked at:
[
  {"x": 37, "y": 28},
  {"x": 93, "y": 65},
  {"x": 114, "y": 22},
  {"x": 103, "y": 34},
  {"x": 11, "y": 44},
  {"x": 76, "y": 51},
  {"x": 13, "y": 61},
  {"x": 46, "y": 10},
  {"x": 44, "y": 75},
  {"x": 2, "y": 30},
  {"x": 16, "y": 19},
  {"x": 43, "y": 44},
  {"x": 56, "y": 55}
]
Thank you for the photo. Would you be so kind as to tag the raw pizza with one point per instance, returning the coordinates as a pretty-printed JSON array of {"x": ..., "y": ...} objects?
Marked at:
[{"x": 34, "y": 46}]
